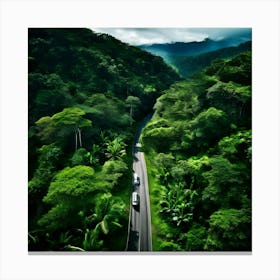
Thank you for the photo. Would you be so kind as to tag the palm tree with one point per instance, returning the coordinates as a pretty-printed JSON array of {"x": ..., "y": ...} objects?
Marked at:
[
  {"x": 115, "y": 149},
  {"x": 108, "y": 211}
]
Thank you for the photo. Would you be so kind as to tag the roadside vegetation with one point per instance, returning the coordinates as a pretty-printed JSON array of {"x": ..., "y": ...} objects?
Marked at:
[
  {"x": 87, "y": 92},
  {"x": 198, "y": 149}
]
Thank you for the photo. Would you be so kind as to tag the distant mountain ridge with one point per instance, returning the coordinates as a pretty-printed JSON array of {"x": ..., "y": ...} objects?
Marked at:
[
  {"x": 189, "y": 49},
  {"x": 189, "y": 65}
]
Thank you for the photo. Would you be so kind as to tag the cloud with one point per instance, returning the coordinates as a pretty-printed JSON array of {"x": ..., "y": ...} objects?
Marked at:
[{"x": 140, "y": 36}]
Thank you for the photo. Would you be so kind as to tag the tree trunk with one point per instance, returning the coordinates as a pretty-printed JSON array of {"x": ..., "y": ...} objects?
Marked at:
[{"x": 80, "y": 137}]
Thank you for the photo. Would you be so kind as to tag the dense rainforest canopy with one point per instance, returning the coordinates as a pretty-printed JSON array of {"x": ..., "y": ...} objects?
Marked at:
[
  {"x": 189, "y": 65},
  {"x": 87, "y": 94},
  {"x": 199, "y": 149}
]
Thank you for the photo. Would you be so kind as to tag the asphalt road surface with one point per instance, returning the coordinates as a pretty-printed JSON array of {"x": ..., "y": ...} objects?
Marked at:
[{"x": 139, "y": 238}]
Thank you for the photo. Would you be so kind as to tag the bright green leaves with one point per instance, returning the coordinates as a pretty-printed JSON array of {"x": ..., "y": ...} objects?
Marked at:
[
  {"x": 70, "y": 116},
  {"x": 177, "y": 204},
  {"x": 181, "y": 98},
  {"x": 229, "y": 229},
  {"x": 224, "y": 183},
  {"x": 238, "y": 69},
  {"x": 109, "y": 213},
  {"x": 112, "y": 172},
  {"x": 133, "y": 102},
  {"x": 158, "y": 131},
  {"x": 237, "y": 145},
  {"x": 199, "y": 141},
  {"x": 49, "y": 156},
  {"x": 75, "y": 182},
  {"x": 234, "y": 99},
  {"x": 195, "y": 238},
  {"x": 209, "y": 126},
  {"x": 61, "y": 124},
  {"x": 91, "y": 240},
  {"x": 80, "y": 157},
  {"x": 116, "y": 148},
  {"x": 85, "y": 91},
  {"x": 60, "y": 216},
  {"x": 79, "y": 197}
]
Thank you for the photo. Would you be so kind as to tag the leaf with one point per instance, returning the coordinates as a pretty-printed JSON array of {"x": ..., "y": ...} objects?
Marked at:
[
  {"x": 117, "y": 224},
  {"x": 104, "y": 227},
  {"x": 74, "y": 248}
]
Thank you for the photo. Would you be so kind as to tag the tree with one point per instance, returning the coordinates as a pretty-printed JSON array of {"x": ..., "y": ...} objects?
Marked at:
[
  {"x": 225, "y": 184},
  {"x": 48, "y": 162},
  {"x": 70, "y": 192},
  {"x": 108, "y": 212},
  {"x": 63, "y": 124},
  {"x": 79, "y": 157},
  {"x": 116, "y": 149},
  {"x": 133, "y": 102},
  {"x": 230, "y": 230},
  {"x": 237, "y": 146},
  {"x": 209, "y": 126},
  {"x": 51, "y": 96},
  {"x": 195, "y": 238},
  {"x": 92, "y": 155},
  {"x": 164, "y": 163},
  {"x": 112, "y": 171}
]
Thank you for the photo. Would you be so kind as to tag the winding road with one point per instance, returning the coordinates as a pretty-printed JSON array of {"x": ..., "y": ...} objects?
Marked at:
[{"x": 139, "y": 235}]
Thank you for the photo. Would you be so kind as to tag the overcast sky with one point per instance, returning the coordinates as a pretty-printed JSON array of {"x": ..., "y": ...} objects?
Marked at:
[{"x": 139, "y": 36}]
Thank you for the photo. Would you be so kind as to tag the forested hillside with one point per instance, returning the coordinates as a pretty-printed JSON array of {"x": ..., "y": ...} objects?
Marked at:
[
  {"x": 198, "y": 151},
  {"x": 87, "y": 92},
  {"x": 189, "y": 65},
  {"x": 180, "y": 49}
]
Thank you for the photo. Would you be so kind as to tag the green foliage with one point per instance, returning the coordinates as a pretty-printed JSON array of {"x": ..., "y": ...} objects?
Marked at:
[
  {"x": 112, "y": 171},
  {"x": 157, "y": 132},
  {"x": 79, "y": 157},
  {"x": 61, "y": 125},
  {"x": 134, "y": 103},
  {"x": 109, "y": 211},
  {"x": 177, "y": 204},
  {"x": 170, "y": 246},
  {"x": 70, "y": 116},
  {"x": 91, "y": 241},
  {"x": 69, "y": 183},
  {"x": 236, "y": 145},
  {"x": 106, "y": 111},
  {"x": 223, "y": 182},
  {"x": 93, "y": 155},
  {"x": 49, "y": 156},
  {"x": 238, "y": 70},
  {"x": 229, "y": 230},
  {"x": 209, "y": 126},
  {"x": 190, "y": 65},
  {"x": 85, "y": 91},
  {"x": 116, "y": 149},
  {"x": 195, "y": 238},
  {"x": 199, "y": 141},
  {"x": 234, "y": 99}
]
